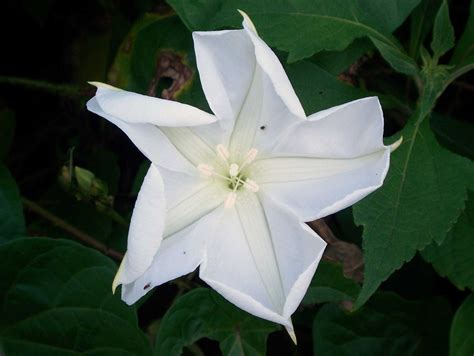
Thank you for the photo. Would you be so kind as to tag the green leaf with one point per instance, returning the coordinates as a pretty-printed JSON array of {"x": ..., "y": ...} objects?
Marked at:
[
  {"x": 203, "y": 313},
  {"x": 303, "y": 27},
  {"x": 7, "y": 128},
  {"x": 12, "y": 222},
  {"x": 336, "y": 62},
  {"x": 453, "y": 259},
  {"x": 55, "y": 299},
  {"x": 396, "y": 57},
  {"x": 421, "y": 23},
  {"x": 388, "y": 325},
  {"x": 330, "y": 285},
  {"x": 323, "y": 93},
  {"x": 454, "y": 134},
  {"x": 461, "y": 340},
  {"x": 135, "y": 63},
  {"x": 443, "y": 32},
  {"x": 420, "y": 200},
  {"x": 464, "y": 51}
]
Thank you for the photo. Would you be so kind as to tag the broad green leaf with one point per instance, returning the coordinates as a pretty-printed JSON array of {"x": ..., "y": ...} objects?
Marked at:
[
  {"x": 453, "y": 258},
  {"x": 55, "y": 299},
  {"x": 7, "y": 127},
  {"x": 420, "y": 200},
  {"x": 323, "y": 92},
  {"x": 304, "y": 27},
  {"x": 461, "y": 339},
  {"x": 330, "y": 285},
  {"x": 387, "y": 325},
  {"x": 443, "y": 32},
  {"x": 204, "y": 313},
  {"x": 12, "y": 222},
  {"x": 454, "y": 134},
  {"x": 464, "y": 50},
  {"x": 336, "y": 62}
]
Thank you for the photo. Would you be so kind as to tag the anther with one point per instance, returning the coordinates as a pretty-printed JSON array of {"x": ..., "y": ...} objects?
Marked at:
[
  {"x": 250, "y": 155},
  {"x": 206, "y": 169},
  {"x": 251, "y": 185},
  {"x": 233, "y": 169},
  {"x": 222, "y": 152},
  {"x": 230, "y": 200}
]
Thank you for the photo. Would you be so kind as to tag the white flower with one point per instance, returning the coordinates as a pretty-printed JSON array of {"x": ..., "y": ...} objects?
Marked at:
[{"x": 230, "y": 192}]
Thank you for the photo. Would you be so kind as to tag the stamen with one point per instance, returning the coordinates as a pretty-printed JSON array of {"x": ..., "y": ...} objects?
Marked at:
[
  {"x": 222, "y": 152},
  {"x": 250, "y": 155},
  {"x": 234, "y": 169},
  {"x": 206, "y": 169},
  {"x": 251, "y": 185},
  {"x": 230, "y": 200}
]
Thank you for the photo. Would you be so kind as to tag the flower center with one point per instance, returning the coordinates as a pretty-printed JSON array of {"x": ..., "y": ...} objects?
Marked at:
[{"x": 233, "y": 175}]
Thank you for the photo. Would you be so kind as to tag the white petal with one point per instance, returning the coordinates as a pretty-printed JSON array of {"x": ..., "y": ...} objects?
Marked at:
[
  {"x": 146, "y": 228},
  {"x": 178, "y": 255},
  {"x": 149, "y": 140},
  {"x": 313, "y": 188},
  {"x": 243, "y": 80},
  {"x": 136, "y": 108},
  {"x": 261, "y": 268},
  {"x": 345, "y": 131}
]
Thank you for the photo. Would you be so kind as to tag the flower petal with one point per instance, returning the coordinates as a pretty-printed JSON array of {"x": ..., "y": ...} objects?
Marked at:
[
  {"x": 168, "y": 202},
  {"x": 149, "y": 140},
  {"x": 178, "y": 255},
  {"x": 243, "y": 80},
  {"x": 136, "y": 108},
  {"x": 146, "y": 228},
  {"x": 262, "y": 261},
  {"x": 345, "y": 131},
  {"x": 313, "y": 188}
]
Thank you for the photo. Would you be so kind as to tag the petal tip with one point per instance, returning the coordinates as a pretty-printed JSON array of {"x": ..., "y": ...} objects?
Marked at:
[
  {"x": 293, "y": 336},
  {"x": 247, "y": 23},
  {"x": 396, "y": 144},
  {"x": 117, "y": 281},
  {"x": 99, "y": 85}
]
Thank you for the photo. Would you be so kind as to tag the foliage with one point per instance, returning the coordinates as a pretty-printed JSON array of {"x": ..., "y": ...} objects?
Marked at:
[{"x": 66, "y": 174}]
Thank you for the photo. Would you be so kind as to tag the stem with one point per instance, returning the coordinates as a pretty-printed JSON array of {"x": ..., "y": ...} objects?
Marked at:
[
  {"x": 53, "y": 88},
  {"x": 72, "y": 230}
]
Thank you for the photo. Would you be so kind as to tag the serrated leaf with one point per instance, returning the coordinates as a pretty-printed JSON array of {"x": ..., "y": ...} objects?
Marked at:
[
  {"x": 12, "y": 222},
  {"x": 330, "y": 285},
  {"x": 204, "y": 313},
  {"x": 420, "y": 200},
  {"x": 453, "y": 258},
  {"x": 464, "y": 51},
  {"x": 55, "y": 299},
  {"x": 387, "y": 325},
  {"x": 443, "y": 32},
  {"x": 303, "y": 27},
  {"x": 461, "y": 340}
]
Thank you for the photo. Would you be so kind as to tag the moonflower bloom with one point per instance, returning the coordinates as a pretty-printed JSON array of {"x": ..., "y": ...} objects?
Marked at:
[{"x": 230, "y": 192}]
